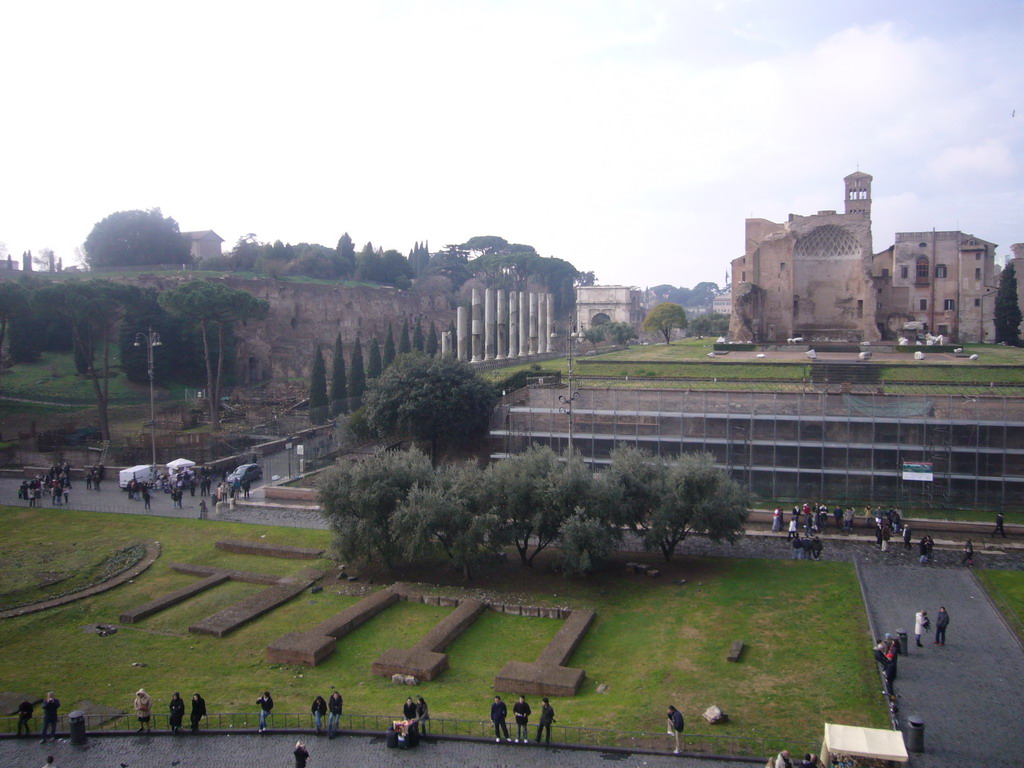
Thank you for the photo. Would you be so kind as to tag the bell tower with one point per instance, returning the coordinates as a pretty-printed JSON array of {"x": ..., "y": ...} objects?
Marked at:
[{"x": 858, "y": 193}]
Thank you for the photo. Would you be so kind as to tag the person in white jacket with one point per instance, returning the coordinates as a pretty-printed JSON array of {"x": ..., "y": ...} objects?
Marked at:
[{"x": 921, "y": 624}]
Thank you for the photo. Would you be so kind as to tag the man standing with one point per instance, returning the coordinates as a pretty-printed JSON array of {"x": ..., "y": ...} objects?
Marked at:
[
  {"x": 547, "y": 717},
  {"x": 499, "y": 714},
  {"x": 522, "y": 712},
  {"x": 675, "y": 726},
  {"x": 941, "y": 622},
  {"x": 50, "y": 707},
  {"x": 968, "y": 558},
  {"x": 25, "y": 710},
  {"x": 999, "y": 525}
]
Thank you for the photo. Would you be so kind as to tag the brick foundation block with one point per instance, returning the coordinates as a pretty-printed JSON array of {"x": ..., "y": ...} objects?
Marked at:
[
  {"x": 423, "y": 665},
  {"x": 301, "y": 648},
  {"x": 522, "y": 677}
]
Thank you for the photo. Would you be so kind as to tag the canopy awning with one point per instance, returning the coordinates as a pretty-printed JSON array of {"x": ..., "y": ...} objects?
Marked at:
[
  {"x": 862, "y": 742},
  {"x": 179, "y": 464}
]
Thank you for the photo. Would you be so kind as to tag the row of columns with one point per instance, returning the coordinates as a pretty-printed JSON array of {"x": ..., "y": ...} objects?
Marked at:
[{"x": 502, "y": 324}]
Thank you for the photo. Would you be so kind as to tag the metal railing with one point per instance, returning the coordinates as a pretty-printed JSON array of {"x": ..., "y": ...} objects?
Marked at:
[{"x": 567, "y": 735}]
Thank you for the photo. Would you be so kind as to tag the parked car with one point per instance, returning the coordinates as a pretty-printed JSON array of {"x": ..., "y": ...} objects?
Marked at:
[{"x": 246, "y": 473}]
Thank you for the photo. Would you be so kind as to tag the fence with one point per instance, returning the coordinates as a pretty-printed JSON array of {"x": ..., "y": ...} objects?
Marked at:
[{"x": 577, "y": 736}]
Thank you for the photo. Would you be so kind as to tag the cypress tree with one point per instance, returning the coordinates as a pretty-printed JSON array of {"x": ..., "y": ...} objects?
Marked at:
[
  {"x": 418, "y": 342},
  {"x": 1007, "y": 315},
  {"x": 339, "y": 387},
  {"x": 454, "y": 336},
  {"x": 432, "y": 341},
  {"x": 404, "y": 344},
  {"x": 373, "y": 362},
  {"x": 318, "y": 389},
  {"x": 389, "y": 346},
  {"x": 356, "y": 374}
]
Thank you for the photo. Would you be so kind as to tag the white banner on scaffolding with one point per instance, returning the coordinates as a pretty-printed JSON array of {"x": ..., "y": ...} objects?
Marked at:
[{"x": 920, "y": 471}]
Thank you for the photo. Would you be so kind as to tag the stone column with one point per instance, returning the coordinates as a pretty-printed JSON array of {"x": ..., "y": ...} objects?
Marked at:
[
  {"x": 513, "y": 324},
  {"x": 532, "y": 341},
  {"x": 502, "y": 326},
  {"x": 542, "y": 324},
  {"x": 550, "y": 329},
  {"x": 462, "y": 333},
  {"x": 489, "y": 326},
  {"x": 446, "y": 344},
  {"x": 477, "y": 330},
  {"x": 524, "y": 324}
]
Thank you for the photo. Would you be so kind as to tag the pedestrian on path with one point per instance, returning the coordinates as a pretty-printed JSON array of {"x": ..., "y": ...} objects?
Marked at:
[
  {"x": 143, "y": 709},
  {"x": 499, "y": 714},
  {"x": 301, "y": 755},
  {"x": 941, "y": 622},
  {"x": 999, "y": 525},
  {"x": 968, "y": 558},
  {"x": 547, "y": 717},
  {"x": 921, "y": 624},
  {"x": 675, "y": 727},
  {"x": 50, "y": 707}
]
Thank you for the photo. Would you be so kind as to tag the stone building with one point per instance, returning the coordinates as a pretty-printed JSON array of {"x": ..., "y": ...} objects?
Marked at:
[
  {"x": 203, "y": 244},
  {"x": 597, "y": 304},
  {"x": 815, "y": 277}
]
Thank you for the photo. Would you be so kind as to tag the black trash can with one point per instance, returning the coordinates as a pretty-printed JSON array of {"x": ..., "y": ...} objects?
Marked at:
[
  {"x": 904, "y": 645},
  {"x": 76, "y": 722},
  {"x": 915, "y": 734}
]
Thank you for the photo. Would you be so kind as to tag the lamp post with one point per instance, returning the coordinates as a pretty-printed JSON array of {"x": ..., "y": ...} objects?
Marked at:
[
  {"x": 151, "y": 339},
  {"x": 567, "y": 401}
]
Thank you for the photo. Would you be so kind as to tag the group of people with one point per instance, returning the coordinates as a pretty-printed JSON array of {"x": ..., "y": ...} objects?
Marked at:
[
  {"x": 522, "y": 711},
  {"x": 333, "y": 705},
  {"x": 55, "y": 484},
  {"x": 783, "y": 760}
]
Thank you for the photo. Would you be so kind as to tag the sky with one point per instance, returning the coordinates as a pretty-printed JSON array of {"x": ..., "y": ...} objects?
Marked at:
[{"x": 629, "y": 138}]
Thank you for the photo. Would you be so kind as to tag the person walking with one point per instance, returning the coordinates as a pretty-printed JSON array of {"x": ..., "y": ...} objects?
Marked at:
[
  {"x": 319, "y": 709},
  {"x": 941, "y": 622},
  {"x": 777, "y": 520},
  {"x": 499, "y": 714},
  {"x": 266, "y": 704},
  {"x": 906, "y": 537},
  {"x": 50, "y": 706},
  {"x": 522, "y": 712},
  {"x": 921, "y": 624},
  {"x": 547, "y": 717},
  {"x": 143, "y": 709},
  {"x": 301, "y": 755},
  {"x": 792, "y": 530},
  {"x": 999, "y": 526},
  {"x": 334, "y": 706},
  {"x": 968, "y": 558},
  {"x": 198, "y": 711},
  {"x": 177, "y": 707},
  {"x": 25, "y": 710},
  {"x": 422, "y": 714},
  {"x": 675, "y": 727}
]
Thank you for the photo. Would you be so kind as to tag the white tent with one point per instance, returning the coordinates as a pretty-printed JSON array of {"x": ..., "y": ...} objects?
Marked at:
[
  {"x": 174, "y": 466},
  {"x": 862, "y": 742}
]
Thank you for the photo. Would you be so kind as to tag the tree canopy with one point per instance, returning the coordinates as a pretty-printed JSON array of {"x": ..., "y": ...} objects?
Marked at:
[
  {"x": 318, "y": 402},
  {"x": 132, "y": 238},
  {"x": 665, "y": 318},
  {"x": 1007, "y": 315}
]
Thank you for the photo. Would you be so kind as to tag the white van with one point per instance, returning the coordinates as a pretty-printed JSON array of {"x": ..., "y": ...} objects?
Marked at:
[{"x": 144, "y": 473}]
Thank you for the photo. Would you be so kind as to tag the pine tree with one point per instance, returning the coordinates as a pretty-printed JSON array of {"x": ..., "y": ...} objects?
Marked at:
[
  {"x": 373, "y": 361},
  {"x": 453, "y": 350},
  {"x": 432, "y": 340},
  {"x": 418, "y": 342},
  {"x": 389, "y": 347},
  {"x": 339, "y": 387},
  {"x": 318, "y": 389},
  {"x": 1007, "y": 311},
  {"x": 404, "y": 344},
  {"x": 356, "y": 374}
]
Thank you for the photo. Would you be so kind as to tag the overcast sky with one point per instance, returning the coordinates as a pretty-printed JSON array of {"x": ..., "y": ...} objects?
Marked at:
[{"x": 629, "y": 138}]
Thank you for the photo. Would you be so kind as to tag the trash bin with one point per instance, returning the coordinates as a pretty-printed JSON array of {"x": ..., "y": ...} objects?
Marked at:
[
  {"x": 915, "y": 734},
  {"x": 904, "y": 645},
  {"x": 76, "y": 721}
]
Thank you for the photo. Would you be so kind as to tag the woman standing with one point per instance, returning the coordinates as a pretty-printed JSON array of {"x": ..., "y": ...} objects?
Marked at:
[
  {"x": 198, "y": 711},
  {"x": 177, "y": 712},
  {"x": 143, "y": 709}
]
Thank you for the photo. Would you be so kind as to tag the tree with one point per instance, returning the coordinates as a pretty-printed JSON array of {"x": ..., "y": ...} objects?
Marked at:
[
  {"x": 359, "y": 499},
  {"x": 389, "y": 346},
  {"x": 1007, "y": 316},
  {"x": 418, "y": 341},
  {"x": 585, "y": 541},
  {"x": 533, "y": 494},
  {"x": 14, "y": 303},
  {"x": 374, "y": 366},
  {"x": 451, "y": 515},
  {"x": 710, "y": 324},
  {"x": 442, "y": 402},
  {"x": 318, "y": 389},
  {"x": 404, "y": 343},
  {"x": 356, "y": 374},
  {"x": 664, "y": 319},
  {"x": 345, "y": 256},
  {"x": 619, "y": 333},
  {"x": 339, "y": 386},
  {"x": 594, "y": 334},
  {"x": 432, "y": 342},
  {"x": 130, "y": 238},
  {"x": 213, "y": 306}
]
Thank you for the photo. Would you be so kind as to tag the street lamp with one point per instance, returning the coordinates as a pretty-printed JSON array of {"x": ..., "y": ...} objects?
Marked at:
[
  {"x": 567, "y": 401},
  {"x": 151, "y": 339}
]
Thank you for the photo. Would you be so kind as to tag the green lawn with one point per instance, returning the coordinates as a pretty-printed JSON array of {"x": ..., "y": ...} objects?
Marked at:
[
  {"x": 1007, "y": 590},
  {"x": 653, "y": 642},
  {"x": 53, "y": 378}
]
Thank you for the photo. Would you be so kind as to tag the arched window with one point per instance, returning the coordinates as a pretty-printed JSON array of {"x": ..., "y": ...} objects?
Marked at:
[{"x": 922, "y": 270}]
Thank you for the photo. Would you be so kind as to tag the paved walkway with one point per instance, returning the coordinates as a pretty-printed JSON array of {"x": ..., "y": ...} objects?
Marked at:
[
  {"x": 968, "y": 692},
  {"x": 242, "y": 751}
]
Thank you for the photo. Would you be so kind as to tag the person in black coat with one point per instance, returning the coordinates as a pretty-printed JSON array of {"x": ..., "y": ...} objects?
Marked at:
[
  {"x": 409, "y": 709},
  {"x": 266, "y": 704},
  {"x": 319, "y": 709},
  {"x": 522, "y": 712},
  {"x": 675, "y": 726},
  {"x": 25, "y": 710},
  {"x": 177, "y": 708},
  {"x": 547, "y": 717},
  {"x": 198, "y": 711},
  {"x": 499, "y": 714},
  {"x": 422, "y": 714},
  {"x": 335, "y": 704},
  {"x": 301, "y": 755}
]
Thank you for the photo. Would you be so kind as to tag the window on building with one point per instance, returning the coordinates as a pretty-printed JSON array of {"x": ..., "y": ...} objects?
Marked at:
[
  {"x": 949, "y": 305},
  {"x": 904, "y": 272},
  {"x": 922, "y": 245},
  {"x": 977, "y": 274},
  {"x": 922, "y": 271},
  {"x": 878, "y": 305},
  {"x": 977, "y": 257},
  {"x": 924, "y": 304},
  {"x": 944, "y": 330},
  {"x": 782, "y": 266},
  {"x": 743, "y": 276},
  {"x": 940, "y": 270},
  {"x": 977, "y": 302}
]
